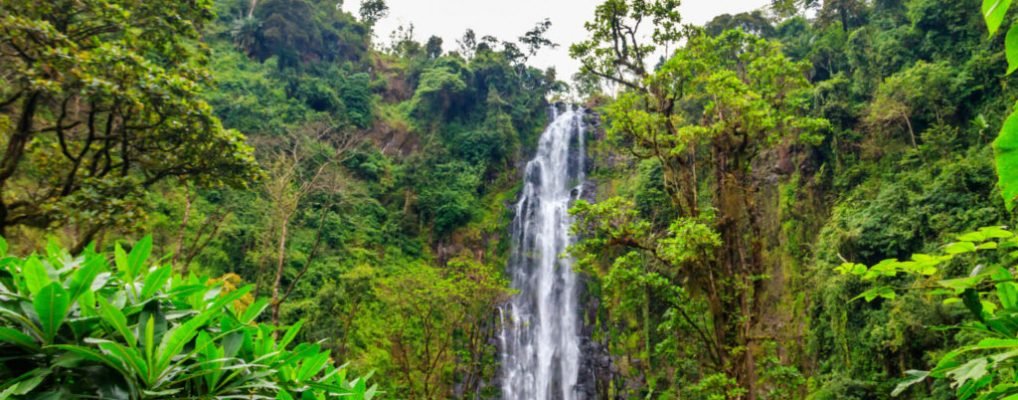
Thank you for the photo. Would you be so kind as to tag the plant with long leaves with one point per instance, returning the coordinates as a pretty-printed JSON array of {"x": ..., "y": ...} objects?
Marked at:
[{"x": 77, "y": 327}]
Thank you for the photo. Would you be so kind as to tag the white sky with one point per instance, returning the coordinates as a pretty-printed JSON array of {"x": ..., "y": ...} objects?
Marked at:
[{"x": 509, "y": 19}]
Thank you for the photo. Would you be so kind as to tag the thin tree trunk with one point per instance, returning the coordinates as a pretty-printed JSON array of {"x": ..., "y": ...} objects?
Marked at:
[
  {"x": 280, "y": 259},
  {"x": 911, "y": 133},
  {"x": 181, "y": 233},
  {"x": 15, "y": 150}
]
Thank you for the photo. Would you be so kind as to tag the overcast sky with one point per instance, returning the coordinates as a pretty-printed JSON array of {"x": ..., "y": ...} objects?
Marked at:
[{"x": 509, "y": 19}]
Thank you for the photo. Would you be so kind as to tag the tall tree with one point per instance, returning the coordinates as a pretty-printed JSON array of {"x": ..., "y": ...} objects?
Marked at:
[{"x": 707, "y": 114}]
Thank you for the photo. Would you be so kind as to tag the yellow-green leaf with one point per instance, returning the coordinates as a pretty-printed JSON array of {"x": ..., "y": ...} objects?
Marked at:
[
  {"x": 1011, "y": 49},
  {"x": 994, "y": 12},
  {"x": 1005, "y": 150}
]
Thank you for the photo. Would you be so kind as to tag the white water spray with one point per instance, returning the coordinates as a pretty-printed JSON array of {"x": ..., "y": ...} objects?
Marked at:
[{"x": 540, "y": 335}]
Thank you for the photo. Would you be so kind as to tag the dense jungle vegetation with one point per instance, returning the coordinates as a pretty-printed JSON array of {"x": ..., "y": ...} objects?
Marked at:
[{"x": 264, "y": 199}]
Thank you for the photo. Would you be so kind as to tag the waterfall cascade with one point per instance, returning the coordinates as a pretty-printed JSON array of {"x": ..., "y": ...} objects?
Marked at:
[{"x": 540, "y": 338}]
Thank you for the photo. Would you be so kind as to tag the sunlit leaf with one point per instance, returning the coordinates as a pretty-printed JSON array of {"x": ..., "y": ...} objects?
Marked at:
[
  {"x": 994, "y": 12},
  {"x": 1005, "y": 149},
  {"x": 913, "y": 378}
]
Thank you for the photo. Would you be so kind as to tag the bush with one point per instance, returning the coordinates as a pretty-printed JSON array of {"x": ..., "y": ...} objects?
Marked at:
[{"x": 74, "y": 327}]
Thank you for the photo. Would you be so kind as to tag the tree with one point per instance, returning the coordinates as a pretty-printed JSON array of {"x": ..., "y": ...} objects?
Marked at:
[
  {"x": 440, "y": 86},
  {"x": 427, "y": 311},
  {"x": 615, "y": 50},
  {"x": 468, "y": 44},
  {"x": 535, "y": 38},
  {"x": 433, "y": 47},
  {"x": 373, "y": 10},
  {"x": 295, "y": 173},
  {"x": 104, "y": 101},
  {"x": 847, "y": 13},
  {"x": 705, "y": 114},
  {"x": 751, "y": 22}
]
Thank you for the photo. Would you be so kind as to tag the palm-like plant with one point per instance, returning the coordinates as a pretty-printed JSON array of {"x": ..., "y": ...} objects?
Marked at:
[{"x": 74, "y": 327}]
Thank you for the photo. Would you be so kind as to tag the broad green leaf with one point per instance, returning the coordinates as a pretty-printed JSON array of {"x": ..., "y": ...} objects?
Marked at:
[
  {"x": 996, "y": 232},
  {"x": 149, "y": 342},
  {"x": 961, "y": 284},
  {"x": 987, "y": 246},
  {"x": 51, "y": 304},
  {"x": 880, "y": 291},
  {"x": 960, "y": 248},
  {"x": 1005, "y": 150},
  {"x": 312, "y": 365},
  {"x": 35, "y": 275},
  {"x": 115, "y": 318},
  {"x": 91, "y": 355},
  {"x": 994, "y": 12},
  {"x": 3, "y": 247},
  {"x": 30, "y": 380},
  {"x": 139, "y": 254},
  {"x": 974, "y": 237},
  {"x": 84, "y": 276},
  {"x": 254, "y": 310},
  {"x": 1007, "y": 293},
  {"x": 1011, "y": 49},
  {"x": 175, "y": 339},
  {"x": 15, "y": 336},
  {"x": 120, "y": 260},
  {"x": 995, "y": 343},
  {"x": 974, "y": 369},
  {"x": 155, "y": 281},
  {"x": 290, "y": 334},
  {"x": 128, "y": 357}
]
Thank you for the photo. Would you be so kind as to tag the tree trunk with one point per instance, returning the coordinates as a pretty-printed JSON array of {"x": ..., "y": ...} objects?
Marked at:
[
  {"x": 280, "y": 259},
  {"x": 181, "y": 234},
  {"x": 15, "y": 150}
]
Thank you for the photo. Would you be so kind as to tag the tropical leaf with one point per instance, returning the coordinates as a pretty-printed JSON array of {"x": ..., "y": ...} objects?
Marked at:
[
  {"x": 35, "y": 275},
  {"x": 51, "y": 305},
  {"x": 1005, "y": 150},
  {"x": 115, "y": 318},
  {"x": 139, "y": 254},
  {"x": 994, "y": 12},
  {"x": 17, "y": 337}
]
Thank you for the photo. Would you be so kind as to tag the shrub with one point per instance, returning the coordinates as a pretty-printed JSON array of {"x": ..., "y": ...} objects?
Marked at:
[{"x": 71, "y": 326}]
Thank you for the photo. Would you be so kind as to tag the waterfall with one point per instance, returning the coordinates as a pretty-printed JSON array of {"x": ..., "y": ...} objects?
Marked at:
[{"x": 540, "y": 335}]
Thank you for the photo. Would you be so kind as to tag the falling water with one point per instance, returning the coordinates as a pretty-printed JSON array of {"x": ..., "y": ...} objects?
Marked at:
[{"x": 540, "y": 337}]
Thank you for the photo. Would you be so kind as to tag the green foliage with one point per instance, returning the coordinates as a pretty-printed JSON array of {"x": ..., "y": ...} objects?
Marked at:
[
  {"x": 438, "y": 88},
  {"x": 979, "y": 367},
  {"x": 1007, "y": 141},
  {"x": 299, "y": 31},
  {"x": 106, "y": 98},
  {"x": 902, "y": 160},
  {"x": 1006, "y": 149},
  {"x": 447, "y": 195},
  {"x": 79, "y": 327}
]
